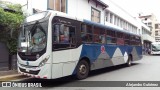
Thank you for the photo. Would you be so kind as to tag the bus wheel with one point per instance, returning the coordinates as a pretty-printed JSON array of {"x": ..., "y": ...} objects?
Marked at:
[
  {"x": 82, "y": 69},
  {"x": 129, "y": 61}
]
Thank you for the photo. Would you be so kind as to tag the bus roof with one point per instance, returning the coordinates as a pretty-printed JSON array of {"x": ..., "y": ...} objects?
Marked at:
[
  {"x": 108, "y": 27},
  {"x": 61, "y": 14}
]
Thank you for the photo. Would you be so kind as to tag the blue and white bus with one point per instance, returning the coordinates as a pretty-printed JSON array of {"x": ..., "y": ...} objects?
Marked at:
[{"x": 53, "y": 45}]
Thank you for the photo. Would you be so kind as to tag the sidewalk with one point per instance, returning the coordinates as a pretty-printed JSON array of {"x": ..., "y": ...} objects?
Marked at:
[{"x": 9, "y": 75}]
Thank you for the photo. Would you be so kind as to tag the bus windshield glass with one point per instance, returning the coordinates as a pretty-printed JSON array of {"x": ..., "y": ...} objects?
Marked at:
[
  {"x": 33, "y": 37},
  {"x": 155, "y": 47}
]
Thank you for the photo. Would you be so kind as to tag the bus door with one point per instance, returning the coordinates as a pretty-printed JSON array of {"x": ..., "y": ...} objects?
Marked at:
[
  {"x": 64, "y": 37},
  {"x": 63, "y": 47}
]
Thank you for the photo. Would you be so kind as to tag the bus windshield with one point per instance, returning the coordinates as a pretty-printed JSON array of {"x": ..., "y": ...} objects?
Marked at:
[
  {"x": 33, "y": 37},
  {"x": 155, "y": 47}
]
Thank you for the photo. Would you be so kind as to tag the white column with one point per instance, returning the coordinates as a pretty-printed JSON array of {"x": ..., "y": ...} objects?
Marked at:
[
  {"x": 113, "y": 19},
  {"x": 108, "y": 16}
]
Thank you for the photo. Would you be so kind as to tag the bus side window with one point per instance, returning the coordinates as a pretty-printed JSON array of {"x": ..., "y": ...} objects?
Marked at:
[
  {"x": 72, "y": 35},
  {"x": 138, "y": 41},
  {"x": 96, "y": 33},
  {"x": 132, "y": 40},
  {"x": 63, "y": 36},
  {"x": 86, "y": 33},
  {"x": 126, "y": 39},
  {"x": 111, "y": 39},
  {"x": 99, "y": 35},
  {"x": 103, "y": 39},
  {"x": 83, "y": 32},
  {"x": 120, "y": 38},
  {"x": 103, "y": 36},
  {"x": 55, "y": 33}
]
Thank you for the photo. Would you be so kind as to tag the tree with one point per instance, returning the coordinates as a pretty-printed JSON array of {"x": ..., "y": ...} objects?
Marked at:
[{"x": 11, "y": 17}]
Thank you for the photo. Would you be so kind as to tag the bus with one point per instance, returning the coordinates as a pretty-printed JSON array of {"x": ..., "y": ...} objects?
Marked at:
[
  {"x": 53, "y": 45},
  {"x": 155, "y": 48}
]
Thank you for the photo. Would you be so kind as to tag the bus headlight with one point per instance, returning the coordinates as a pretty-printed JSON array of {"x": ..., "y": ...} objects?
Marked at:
[{"x": 43, "y": 62}]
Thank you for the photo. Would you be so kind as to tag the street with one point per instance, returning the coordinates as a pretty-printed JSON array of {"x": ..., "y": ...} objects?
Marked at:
[{"x": 146, "y": 69}]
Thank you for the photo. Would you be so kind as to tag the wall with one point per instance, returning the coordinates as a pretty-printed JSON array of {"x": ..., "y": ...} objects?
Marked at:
[
  {"x": 153, "y": 18},
  {"x": 120, "y": 12},
  {"x": 4, "y": 56},
  {"x": 41, "y": 5},
  {"x": 142, "y": 25},
  {"x": 82, "y": 9},
  {"x": 77, "y": 8}
]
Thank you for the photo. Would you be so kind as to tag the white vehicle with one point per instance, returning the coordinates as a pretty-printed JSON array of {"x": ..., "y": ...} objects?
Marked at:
[
  {"x": 155, "y": 48},
  {"x": 53, "y": 45}
]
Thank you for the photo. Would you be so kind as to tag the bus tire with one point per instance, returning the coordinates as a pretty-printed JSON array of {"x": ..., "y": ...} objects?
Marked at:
[
  {"x": 129, "y": 61},
  {"x": 82, "y": 70}
]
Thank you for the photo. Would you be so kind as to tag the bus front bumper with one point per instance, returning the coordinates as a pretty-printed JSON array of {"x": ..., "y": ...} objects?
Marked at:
[
  {"x": 158, "y": 52},
  {"x": 35, "y": 72}
]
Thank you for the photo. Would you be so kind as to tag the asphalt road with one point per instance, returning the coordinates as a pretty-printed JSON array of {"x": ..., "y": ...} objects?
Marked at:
[{"x": 147, "y": 69}]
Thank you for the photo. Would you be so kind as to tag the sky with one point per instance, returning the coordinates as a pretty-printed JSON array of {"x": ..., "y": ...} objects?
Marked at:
[
  {"x": 17, "y": 1},
  {"x": 134, "y": 7}
]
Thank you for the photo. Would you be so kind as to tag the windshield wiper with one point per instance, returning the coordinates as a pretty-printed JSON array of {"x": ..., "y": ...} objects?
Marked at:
[
  {"x": 33, "y": 28},
  {"x": 31, "y": 32}
]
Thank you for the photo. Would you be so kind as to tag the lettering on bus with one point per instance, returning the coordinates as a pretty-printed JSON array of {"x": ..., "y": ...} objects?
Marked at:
[{"x": 64, "y": 22}]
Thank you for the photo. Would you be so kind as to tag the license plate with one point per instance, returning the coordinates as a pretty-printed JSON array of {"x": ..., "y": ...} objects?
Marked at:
[{"x": 27, "y": 70}]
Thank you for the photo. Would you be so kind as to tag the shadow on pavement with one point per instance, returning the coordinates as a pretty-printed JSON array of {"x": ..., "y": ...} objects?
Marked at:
[
  {"x": 154, "y": 55},
  {"x": 60, "y": 82},
  {"x": 69, "y": 80},
  {"x": 109, "y": 69}
]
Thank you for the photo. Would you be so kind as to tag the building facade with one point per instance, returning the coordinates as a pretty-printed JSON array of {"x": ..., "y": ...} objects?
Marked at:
[
  {"x": 100, "y": 11},
  {"x": 146, "y": 36},
  {"x": 117, "y": 17},
  {"x": 150, "y": 21},
  {"x": 85, "y": 9},
  {"x": 157, "y": 32}
]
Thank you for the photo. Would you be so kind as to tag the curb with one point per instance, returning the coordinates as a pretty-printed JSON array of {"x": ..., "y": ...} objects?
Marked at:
[{"x": 10, "y": 77}]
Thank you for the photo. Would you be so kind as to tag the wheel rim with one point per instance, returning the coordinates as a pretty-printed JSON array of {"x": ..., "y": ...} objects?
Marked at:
[
  {"x": 129, "y": 61},
  {"x": 82, "y": 69}
]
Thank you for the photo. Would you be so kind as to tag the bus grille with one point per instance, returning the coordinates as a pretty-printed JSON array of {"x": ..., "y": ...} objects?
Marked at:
[
  {"x": 26, "y": 66},
  {"x": 30, "y": 71}
]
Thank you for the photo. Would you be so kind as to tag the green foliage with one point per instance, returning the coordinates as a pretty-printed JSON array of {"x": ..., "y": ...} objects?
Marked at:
[
  {"x": 16, "y": 7},
  {"x": 12, "y": 45},
  {"x": 9, "y": 25},
  {"x": 12, "y": 20}
]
